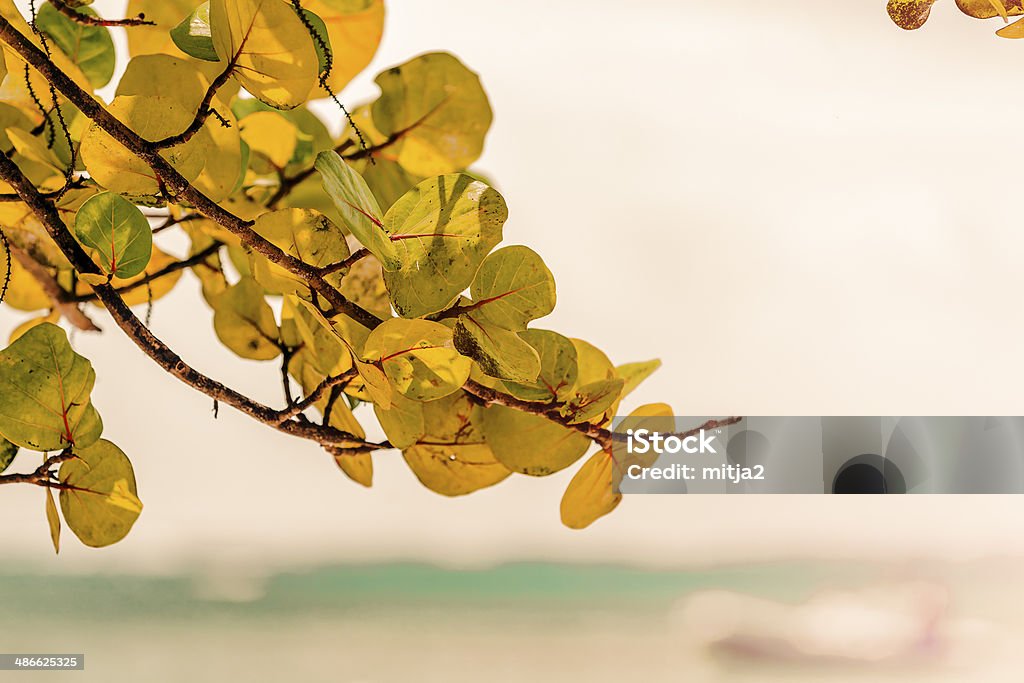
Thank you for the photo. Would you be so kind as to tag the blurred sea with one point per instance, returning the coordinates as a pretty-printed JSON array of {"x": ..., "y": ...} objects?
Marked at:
[{"x": 411, "y": 622}]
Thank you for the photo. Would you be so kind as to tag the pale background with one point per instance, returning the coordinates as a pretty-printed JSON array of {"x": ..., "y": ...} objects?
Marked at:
[{"x": 800, "y": 208}]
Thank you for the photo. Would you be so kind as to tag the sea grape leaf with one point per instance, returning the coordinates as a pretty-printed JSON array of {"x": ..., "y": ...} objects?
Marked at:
[
  {"x": 272, "y": 135},
  {"x": 245, "y": 323},
  {"x": 364, "y": 286},
  {"x": 591, "y": 493},
  {"x": 512, "y": 288},
  {"x": 44, "y": 393},
  {"x": 307, "y": 235},
  {"x": 53, "y": 521},
  {"x": 442, "y": 230},
  {"x": 357, "y": 206},
  {"x": 193, "y": 35},
  {"x": 910, "y": 14},
  {"x": 558, "y": 368},
  {"x": 531, "y": 444},
  {"x": 272, "y": 53},
  {"x": 452, "y": 458},
  {"x": 500, "y": 352},
  {"x": 357, "y": 466},
  {"x": 117, "y": 231},
  {"x": 436, "y": 110},
  {"x": 90, "y": 47},
  {"x": 418, "y": 357},
  {"x": 153, "y": 117},
  {"x": 101, "y": 502},
  {"x": 403, "y": 422},
  {"x": 593, "y": 364}
]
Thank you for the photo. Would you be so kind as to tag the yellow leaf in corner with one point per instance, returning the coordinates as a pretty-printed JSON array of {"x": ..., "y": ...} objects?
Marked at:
[
  {"x": 1014, "y": 30},
  {"x": 357, "y": 467},
  {"x": 53, "y": 520}
]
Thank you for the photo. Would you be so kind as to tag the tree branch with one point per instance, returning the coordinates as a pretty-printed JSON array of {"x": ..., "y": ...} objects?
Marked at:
[
  {"x": 202, "y": 113},
  {"x": 42, "y": 475},
  {"x": 57, "y": 294},
  {"x": 170, "y": 268},
  {"x": 86, "y": 20},
  {"x": 175, "y": 184},
  {"x": 159, "y": 352}
]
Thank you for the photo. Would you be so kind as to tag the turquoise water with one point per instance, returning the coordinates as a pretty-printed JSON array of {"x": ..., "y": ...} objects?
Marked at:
[{"x": 394, "y": 623}]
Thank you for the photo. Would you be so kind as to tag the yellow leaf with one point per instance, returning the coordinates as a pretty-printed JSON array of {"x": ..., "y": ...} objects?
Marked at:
[
  {"x": 354, "y": 29},
  {"x": 273, "y": 54},
  {"x": 1014, "y": 30},
  {"x": 358, "y": 467},
  {"x": 100, "y": 503},
  {"x": 272, "y": 135},
  {"x": 153, "y": 118},
  {"x": 591, "y": 493}
]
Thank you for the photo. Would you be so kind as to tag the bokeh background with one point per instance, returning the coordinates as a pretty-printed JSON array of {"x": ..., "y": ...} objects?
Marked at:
[{"x": 799, "y": 207}]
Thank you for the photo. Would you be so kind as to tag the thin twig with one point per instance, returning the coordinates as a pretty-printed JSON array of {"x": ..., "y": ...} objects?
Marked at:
[{"x": 87, "y": 20}]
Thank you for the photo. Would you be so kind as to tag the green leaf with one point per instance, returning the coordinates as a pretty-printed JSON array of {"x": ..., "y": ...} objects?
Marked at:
[
  {"x": 438, "y": 112},
  {"x": 44, "y": 393},
  {"x": 499, "y": 352},
  {"x": 305, "y": 234},
  {"x": 531, "y": 444},
  {"x": 357, "y": 206},
  {"x": 90, "y": 47},
  {"x": 418, "y": 357},
  {"x": 273, "y": 54},
  {"x": 513, "y": 287},
  {"x": 320, "y": 29},
  {"x": 193, "y": 35},
  {"x": 8, "y": 452},
  {"x": 451, "y": 458},
  {"x": 558, "y": 368},
  {"x": 119, "y": 233},
  {"x": 442, "y": 230},
  {"x": 53, "y": 521},
  {"x": 101, "y": 502},
  {"x": 245, "y": 323}
]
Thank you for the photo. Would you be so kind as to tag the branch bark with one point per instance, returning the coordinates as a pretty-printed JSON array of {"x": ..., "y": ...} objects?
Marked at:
[
  {"x": 176, "y": 185},
  {"x": 46, "y": 212},
  {"x": 57, "y": 294}
]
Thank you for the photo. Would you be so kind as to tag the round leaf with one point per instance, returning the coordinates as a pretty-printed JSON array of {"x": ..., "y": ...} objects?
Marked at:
[
  {"x": 193, "y": 35},
  {"x": 531, "y": 444},
  {"x": 245, "y": 323},
  {"x": 418, "y": 357},
  {"x": 442, "y": 230},
  {"x": 513, "y": 287},
  {"x": 119, "y": 233},
  {"x": 272, "y": 53},
  {"x": 90, "y": 47},
  {"x": 438, "y": 111},
  {"x": 591, "y": 493},
  {"x": 100, "y": 503},
  {"x": 499, "y": 352},
  {"x": 44, "y": 392},
  {"x": 558, "y": 368}
]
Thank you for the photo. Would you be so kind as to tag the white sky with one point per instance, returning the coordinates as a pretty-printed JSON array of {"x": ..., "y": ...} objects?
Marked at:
[{"x": 800, "y": 208}]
